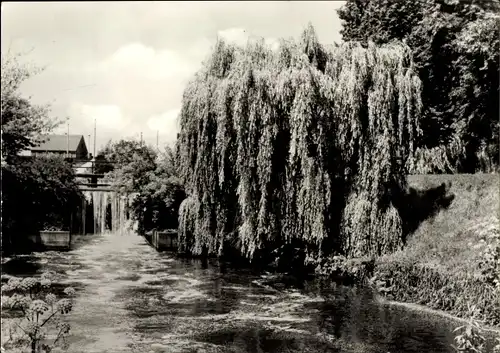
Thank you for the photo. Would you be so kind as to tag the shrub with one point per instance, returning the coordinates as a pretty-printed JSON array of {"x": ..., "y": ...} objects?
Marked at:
[
  {"x": 355, "y": 270},
  {"x": 412, "y": 282},
  {"x": 496, "y": 349},
  {"x": 37, "y": 192},
  {"x": 490, "y": 263},
  {"x": 470, "y": 337}
]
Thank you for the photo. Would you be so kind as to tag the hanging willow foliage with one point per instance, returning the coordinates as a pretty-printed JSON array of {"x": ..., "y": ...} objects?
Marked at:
[{"x": 300, "y": 143}]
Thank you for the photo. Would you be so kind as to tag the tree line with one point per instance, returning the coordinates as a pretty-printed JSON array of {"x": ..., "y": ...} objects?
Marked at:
[
  {"x": 37, "y": 193},
  {"x": 455, "y": 46},
  {"x": 307, "y": 146}
]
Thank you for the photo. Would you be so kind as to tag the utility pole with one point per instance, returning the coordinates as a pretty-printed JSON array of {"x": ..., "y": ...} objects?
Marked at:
[
  {"x": 157, "y": 138},
  {"x": 141, "y": 138},
  {"x": 95, "y": 130},
  {"x": 67, "y": 143}
]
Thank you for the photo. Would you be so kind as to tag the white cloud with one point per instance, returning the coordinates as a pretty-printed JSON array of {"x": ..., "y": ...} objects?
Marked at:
[
  {"x": 166, "y": 123},
  {"x": 111, "y": 123},
  {"x": 109, "y": 116},
  {"x": 142, "y": 61},
  {"x": 238, "y": 36},
  {"x": 241, "y": 36},
  {"x": 200, "y": 49}
]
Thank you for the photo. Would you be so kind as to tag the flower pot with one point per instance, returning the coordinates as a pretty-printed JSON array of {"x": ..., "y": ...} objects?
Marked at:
[{"x": 52, "y": 240}]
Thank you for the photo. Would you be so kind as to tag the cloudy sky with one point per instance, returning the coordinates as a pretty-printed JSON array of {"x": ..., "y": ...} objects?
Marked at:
[{"x": 125, "y": 64}]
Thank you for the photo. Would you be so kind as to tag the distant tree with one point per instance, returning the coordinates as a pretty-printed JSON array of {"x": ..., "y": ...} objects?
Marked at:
[
  {"x": 102, "y": 164},
  {"x": 132, "y": 164},
  {"x": 117, "y": 155},
  {"x": 157, "y": 203},
  {"x": 139, "y": 169},
  {"x": 23, "y": 123},
  {"x": 455, "y": 46}
]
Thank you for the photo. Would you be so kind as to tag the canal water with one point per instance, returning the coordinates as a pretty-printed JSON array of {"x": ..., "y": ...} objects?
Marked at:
[{"x": 130, "y": 298}]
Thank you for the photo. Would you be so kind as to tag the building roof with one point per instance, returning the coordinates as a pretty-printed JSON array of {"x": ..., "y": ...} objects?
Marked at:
[{"x": 59, "y": 143}]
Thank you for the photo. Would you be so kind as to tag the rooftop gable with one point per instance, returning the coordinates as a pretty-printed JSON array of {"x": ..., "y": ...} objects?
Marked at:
[{"x": 59, "y": 143}]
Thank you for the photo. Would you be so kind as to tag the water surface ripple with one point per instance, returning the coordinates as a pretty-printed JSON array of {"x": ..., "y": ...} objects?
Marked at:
[{"x": 130, "y": 298}]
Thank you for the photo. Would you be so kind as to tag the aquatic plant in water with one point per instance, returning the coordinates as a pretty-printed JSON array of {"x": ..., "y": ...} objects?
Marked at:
[
  {"x": 304, "y": 143},
  {"x": 42, "y": 313}
]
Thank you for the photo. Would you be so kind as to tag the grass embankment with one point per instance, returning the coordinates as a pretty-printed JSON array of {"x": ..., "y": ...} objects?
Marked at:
[{"x": 451, "y": 261}]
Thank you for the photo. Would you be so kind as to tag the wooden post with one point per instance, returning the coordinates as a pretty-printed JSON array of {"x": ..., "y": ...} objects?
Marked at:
[
  {"x": 70, "y": 226},
  {"x": 67, "y": 145},
  {"x": 95, "y": 132},
  {"x": 84, "y": 214}
]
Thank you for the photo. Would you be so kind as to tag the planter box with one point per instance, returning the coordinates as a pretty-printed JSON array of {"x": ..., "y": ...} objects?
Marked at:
[
  {"x": 53, "y": 240},
  {"x": 166, "y": 240},
  {"x": 149, "y": 236}
]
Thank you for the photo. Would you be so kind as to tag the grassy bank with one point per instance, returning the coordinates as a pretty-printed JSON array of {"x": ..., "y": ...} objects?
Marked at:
[{"x": 451, "y": 261}]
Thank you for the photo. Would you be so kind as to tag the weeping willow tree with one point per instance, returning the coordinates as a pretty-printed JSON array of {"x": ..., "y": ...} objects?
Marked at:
[{"x": 301, "y": 143}]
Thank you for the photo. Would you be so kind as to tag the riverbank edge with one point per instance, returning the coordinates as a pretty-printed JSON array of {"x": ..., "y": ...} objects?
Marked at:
[
  {"x": 425, "y": 287},
  {"x": 435, "y": 312},
  {"x": 448, "y": 261}
]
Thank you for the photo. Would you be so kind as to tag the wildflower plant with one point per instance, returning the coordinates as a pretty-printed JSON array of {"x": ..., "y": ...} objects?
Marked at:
[
  {"x": 41, "y": 327},
  {"x": 496, "y": 349},
  {"x": 470, "y": 337}
]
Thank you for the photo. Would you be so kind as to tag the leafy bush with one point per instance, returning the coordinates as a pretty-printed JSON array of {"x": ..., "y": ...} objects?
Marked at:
[
  {"x": 490, "y": 262},
  {"x": 38, "y": 192},
  {"x": 42, "y": 314},
  {"x": 356, "y": 270},
  {"x": 49, "y": 228},
  {"x": 158, "y": 198},
  {"x": 473, "y": 337},
  {"x": 412, "y": 282},
  {"x": 470, "y": 337},
  {"x": 455, "y": 46}
]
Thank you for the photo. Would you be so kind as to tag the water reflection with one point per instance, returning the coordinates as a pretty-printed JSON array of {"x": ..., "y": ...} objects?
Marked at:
[{"x": 133, "y": 299}]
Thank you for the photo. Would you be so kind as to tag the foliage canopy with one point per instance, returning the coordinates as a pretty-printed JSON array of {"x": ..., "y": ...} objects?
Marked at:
[
  {"x": 304, "y": 143},
  {"x": 37, "y": 193},
  {"x": 23, "y": 123},
  {"x": 157, "y": 202},
  {"x": 455, "y": 45},
  {"x": 128, "y": 163},
  {"x": 148, "y": 174}
]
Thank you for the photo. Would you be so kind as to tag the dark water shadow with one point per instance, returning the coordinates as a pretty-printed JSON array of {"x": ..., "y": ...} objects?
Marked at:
[
  {"x": 20, "y": 267},
  {"x": 253, "y": 337},
  {"x": 354, "y": 315},
  {"x": 415, "y": 206}
]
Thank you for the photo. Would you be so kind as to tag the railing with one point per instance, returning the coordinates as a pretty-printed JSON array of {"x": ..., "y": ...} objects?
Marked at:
[{"x": 89, "y": 174}]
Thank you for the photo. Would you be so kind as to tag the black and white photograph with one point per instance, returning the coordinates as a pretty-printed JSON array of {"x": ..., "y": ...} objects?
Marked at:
[{"x": 250, "y": 176}]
